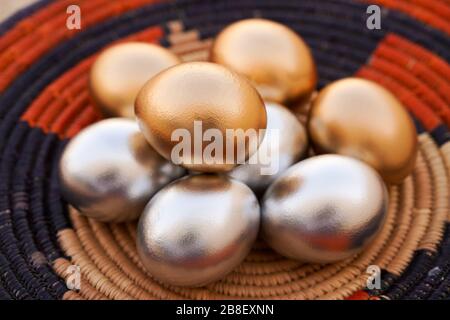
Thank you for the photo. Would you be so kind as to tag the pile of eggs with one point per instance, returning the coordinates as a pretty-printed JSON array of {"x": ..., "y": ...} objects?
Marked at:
[{"x": 198, "y": 220}]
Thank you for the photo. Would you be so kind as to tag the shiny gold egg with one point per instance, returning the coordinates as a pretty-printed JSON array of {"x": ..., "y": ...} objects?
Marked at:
[
  {"x": 120, "y": 72},
  {"x": 271, "y": 55},
  {"x": 361, "y": 119},
  {"x": 195, "y": 113}
]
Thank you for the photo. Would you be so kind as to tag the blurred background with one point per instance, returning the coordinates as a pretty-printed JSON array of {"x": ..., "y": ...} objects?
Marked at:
[{"x": 8, "y": 7}]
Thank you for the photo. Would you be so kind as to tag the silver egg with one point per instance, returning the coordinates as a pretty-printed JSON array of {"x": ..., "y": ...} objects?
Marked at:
[
  {"x": 324, "y": 209},
  {"x": 109, "y": 172},
  {"x": 285, "y": 142},
  {"x": 197, "y": 229}
]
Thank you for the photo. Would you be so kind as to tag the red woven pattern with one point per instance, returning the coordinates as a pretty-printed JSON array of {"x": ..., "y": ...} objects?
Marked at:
[
  {"x": 65, "y": 107},
  {"x": 435, "y": 13},
  {"x": 35, "y": 35},
  {"x": 417, "y": 76}
]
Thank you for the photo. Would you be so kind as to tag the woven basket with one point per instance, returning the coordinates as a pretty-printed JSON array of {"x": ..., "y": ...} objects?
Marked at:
[{"x": 44, "y": 101}]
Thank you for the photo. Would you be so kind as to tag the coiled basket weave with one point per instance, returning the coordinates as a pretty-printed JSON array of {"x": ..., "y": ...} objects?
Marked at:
[{"x": 44, "y": 101}]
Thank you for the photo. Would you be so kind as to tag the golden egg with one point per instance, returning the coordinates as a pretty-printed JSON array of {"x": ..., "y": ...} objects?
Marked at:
[
  {"x": 120, "y": 72},
  {"x": 271, "y": 55},
  {"x": 202, "y": 116},
  {"x": 361, "y": 119}
]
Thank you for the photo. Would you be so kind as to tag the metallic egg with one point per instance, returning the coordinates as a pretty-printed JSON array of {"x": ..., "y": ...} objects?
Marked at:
[
  {"x": 285, "y": 142},
  {"x": 272, "y": 56},
  {"x": 324, "y": 209},
  {"x": 361, "y": 119},
  {"x": 197, "y": 229},
  {"x": 195, "y": 97},
  {"x": 120, "y": 71},
  {"x": 109, "y": 171}
]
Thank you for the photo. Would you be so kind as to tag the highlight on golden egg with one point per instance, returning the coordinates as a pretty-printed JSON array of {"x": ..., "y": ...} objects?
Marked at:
[
  {"x": 120, "y": 71},
  {"x": 271, "y": 55},
  {"x": 202, "y": 116},
  {"x": 362, "y": 119}
]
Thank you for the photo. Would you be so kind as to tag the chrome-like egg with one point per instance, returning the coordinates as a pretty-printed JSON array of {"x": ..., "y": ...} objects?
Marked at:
[
  {"x": 109, "y": 172},
  {"x": 324, "y": 209},
  {"x": 197, "y": 229},
  {"x": 285, "y": 142}
]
